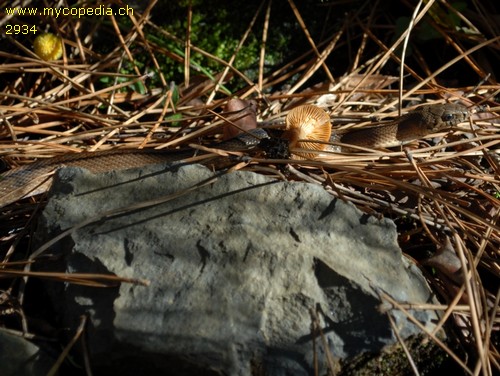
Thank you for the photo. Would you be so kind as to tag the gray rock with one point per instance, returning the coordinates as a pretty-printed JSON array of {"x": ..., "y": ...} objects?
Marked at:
[
  {"x": 20, "y": 357},
  {"x": 236, "y": 266}
]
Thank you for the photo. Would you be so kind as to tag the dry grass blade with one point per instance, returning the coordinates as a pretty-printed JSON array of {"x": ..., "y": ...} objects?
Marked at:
[
  {"x": 55, "y": 368},
  {"x": 233, "y": 57},
  {"x": 310, "y": 40},
  {"x": 431, "y": 335},
  {"x": 403, "y": 345},
  {"x": 187, "y": 53},
  {"x": 315, "y": 323},
  {"x": 263, "y": 46}
]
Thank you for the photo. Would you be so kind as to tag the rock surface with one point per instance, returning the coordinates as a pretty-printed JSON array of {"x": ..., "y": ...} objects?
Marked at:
[
  {"x": 20, "y": 357},
  {"x": 236, "y": 262}
]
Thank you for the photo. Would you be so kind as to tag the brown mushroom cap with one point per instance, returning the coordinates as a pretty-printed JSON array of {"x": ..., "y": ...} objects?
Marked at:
[
  {"x": 244, "y": 117},
  {"x": 308, "y": 122}
]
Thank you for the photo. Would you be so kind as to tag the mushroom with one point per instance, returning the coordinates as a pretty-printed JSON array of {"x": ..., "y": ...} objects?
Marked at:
[
  {"x": 48, "y": 46},
  {"x": 305, "y": 125},
  {"x": 245, "y": 117}
]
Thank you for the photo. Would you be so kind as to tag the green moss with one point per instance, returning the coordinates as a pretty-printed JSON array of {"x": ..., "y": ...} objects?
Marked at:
[{"x": 427, "y": 356}]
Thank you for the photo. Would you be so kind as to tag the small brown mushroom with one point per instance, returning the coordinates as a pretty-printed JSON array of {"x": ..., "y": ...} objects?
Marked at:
[
  {"x": 244, "y": 117},
  {"x": 305, "y": 125}
]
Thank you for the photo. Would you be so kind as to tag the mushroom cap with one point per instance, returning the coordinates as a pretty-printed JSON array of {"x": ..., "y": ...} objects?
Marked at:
[
  {"x": 308, "y": 122},
  {"x": 245, "y": 117},
  {"x": 48, "y": 46}
]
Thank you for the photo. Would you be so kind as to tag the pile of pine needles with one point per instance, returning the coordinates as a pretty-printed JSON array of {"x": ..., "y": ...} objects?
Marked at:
[{"x": 442, "y": 193}]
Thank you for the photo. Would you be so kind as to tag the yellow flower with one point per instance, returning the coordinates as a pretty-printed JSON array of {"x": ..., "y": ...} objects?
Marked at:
[{"x": 48, "y": 46}]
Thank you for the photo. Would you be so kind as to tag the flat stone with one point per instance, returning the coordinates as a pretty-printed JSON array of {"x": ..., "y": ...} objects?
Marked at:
[
  {"x": 20, "y": 357},
  {"x": 236, "y": 263}
]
